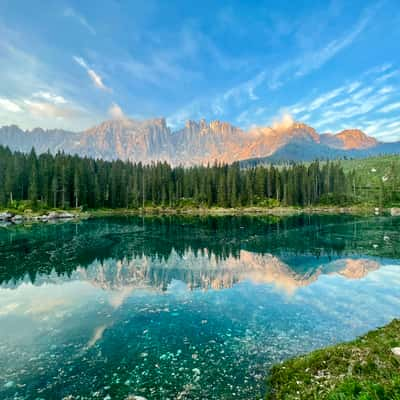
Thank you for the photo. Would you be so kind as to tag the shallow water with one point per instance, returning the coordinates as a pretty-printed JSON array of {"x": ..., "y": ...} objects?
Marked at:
[{"x": 185, "y": 308}]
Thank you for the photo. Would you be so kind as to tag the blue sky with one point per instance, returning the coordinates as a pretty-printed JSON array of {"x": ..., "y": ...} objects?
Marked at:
[{"x": 331, "y": 64}]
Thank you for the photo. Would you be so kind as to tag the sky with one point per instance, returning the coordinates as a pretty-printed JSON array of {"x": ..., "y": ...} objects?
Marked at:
[{"x": 72, "y": 64}]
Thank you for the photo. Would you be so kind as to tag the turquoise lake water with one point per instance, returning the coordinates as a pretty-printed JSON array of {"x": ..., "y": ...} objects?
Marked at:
[{"x": 185, "y": 308}]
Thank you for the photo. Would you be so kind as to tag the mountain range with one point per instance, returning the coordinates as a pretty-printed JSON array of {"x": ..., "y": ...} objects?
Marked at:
[{"x": 197, "y": 142}]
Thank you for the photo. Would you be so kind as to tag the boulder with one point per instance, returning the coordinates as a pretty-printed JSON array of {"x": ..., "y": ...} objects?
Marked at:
[
  {"x": 5, "y": 216},
  {"x": 65, "y": 215},
  {"x": 52, "y": 215},
  {"x": 396, "y": 351}
]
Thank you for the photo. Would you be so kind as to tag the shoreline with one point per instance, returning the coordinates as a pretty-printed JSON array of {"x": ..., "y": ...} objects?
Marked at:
[
  {"x": 261, "y": 211},
  {"x": 359, "y": 369},
  {"x": 17, "y": 217}
]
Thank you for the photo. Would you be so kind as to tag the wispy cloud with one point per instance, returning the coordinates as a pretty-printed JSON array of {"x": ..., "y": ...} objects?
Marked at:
[
  {"x": 389, "y": 75},
  {"x": 94, "y": 76},
  {"x": 386, "y": 89},
  {"x": 314, "y": 60},
  {"x": 390, "y": 107},
  {"x": 276, "y": 77},
  {"x": 51, "y": 97},
  {"x": 9, "y": 105},
  {"x": 165, "y": 65},
  {"x": 356, "y": 104},
  {"x": 319, "y": 101},
  {"x": 361, "y": 105},
  {"x": 71, "y": 13},
  {"x": 50, "y": 110}
]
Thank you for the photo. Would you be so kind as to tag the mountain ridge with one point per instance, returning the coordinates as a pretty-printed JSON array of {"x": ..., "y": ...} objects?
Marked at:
[{"x": 198, "y": 142}]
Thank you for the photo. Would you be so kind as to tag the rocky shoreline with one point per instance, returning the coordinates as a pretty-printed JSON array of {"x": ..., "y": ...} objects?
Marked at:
[{"x": 12, "y": 218}]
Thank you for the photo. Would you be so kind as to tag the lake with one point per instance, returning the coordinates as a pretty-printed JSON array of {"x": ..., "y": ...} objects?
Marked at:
[{"x": 185, "y": 307}]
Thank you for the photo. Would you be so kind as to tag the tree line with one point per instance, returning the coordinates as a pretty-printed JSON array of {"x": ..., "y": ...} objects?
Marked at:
[{"x": 67, "y": 181}]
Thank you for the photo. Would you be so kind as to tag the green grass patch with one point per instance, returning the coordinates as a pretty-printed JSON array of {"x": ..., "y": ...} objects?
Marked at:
[{"x": 365, "y": 369}]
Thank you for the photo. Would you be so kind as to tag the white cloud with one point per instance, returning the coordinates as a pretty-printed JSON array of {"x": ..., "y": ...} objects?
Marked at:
[
  {"x": 395, "y": 124},
  {"x": 94, "y": 76},
  {"x": 386, "y": 89},
  {"x": 379, "y": 69},
  {"x": 49, "y": 110},
  {"x": 389, "y": 75},
  {"x": 361, "y": 93},
  {"x": 316, "y": 59},
  {"x": 70, "y": 12},
  {"x": 319, "y": 101},
  {"x": 116, "y": 112},
  {"x": 9, "y": 105},
  {"x": 390, "y": 107},
  {"x": 51, "y": 97},
  {"x": 275, "y": 77},
  {"x": 340, "y": 103},
  {"x": 353, "y": 86},
  {"x": 357, "y": 108},
  {"x": 305, "y": 117},
  {"x": 389, "y": 134},
  {"x": 285, "y": 122}
]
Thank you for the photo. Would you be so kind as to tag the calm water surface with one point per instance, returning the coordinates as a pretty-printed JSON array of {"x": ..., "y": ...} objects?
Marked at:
[{"x": 184, "y": 308}]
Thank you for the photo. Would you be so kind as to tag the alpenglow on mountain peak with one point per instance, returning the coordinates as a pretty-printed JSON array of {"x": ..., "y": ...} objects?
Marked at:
[{"x": 198, "y": 142}]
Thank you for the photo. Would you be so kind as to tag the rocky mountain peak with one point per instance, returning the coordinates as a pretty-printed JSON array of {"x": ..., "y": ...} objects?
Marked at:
[
  {"x": 198, "y": 142},
  {"x": 356, "y": 139},
  {"x": 301, "y": 130},
  {"x": 349, "y": 139}
]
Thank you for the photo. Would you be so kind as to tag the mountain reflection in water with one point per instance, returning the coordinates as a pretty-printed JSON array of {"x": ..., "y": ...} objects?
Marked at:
[
  {"x": 181, "y": 307},
  {"x": 210, "y": 252}
]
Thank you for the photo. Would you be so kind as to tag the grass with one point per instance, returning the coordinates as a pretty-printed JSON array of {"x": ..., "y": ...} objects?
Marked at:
[{"x": 364, "y": 369}]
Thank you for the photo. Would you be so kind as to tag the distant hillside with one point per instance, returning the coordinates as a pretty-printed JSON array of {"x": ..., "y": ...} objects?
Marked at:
[{"x": 198, "y": 142}]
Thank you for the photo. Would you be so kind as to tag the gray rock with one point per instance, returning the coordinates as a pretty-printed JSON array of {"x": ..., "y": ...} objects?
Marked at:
[
  {"x": 5, "y": 216},
  {"x": 396, "y": 351},
  {"x": 53, "y": 215},
  {"x": 65, "y": 215}
]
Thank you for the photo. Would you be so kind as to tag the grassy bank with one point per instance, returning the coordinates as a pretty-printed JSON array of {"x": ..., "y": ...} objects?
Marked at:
[{"x": 365, "y": 369}]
